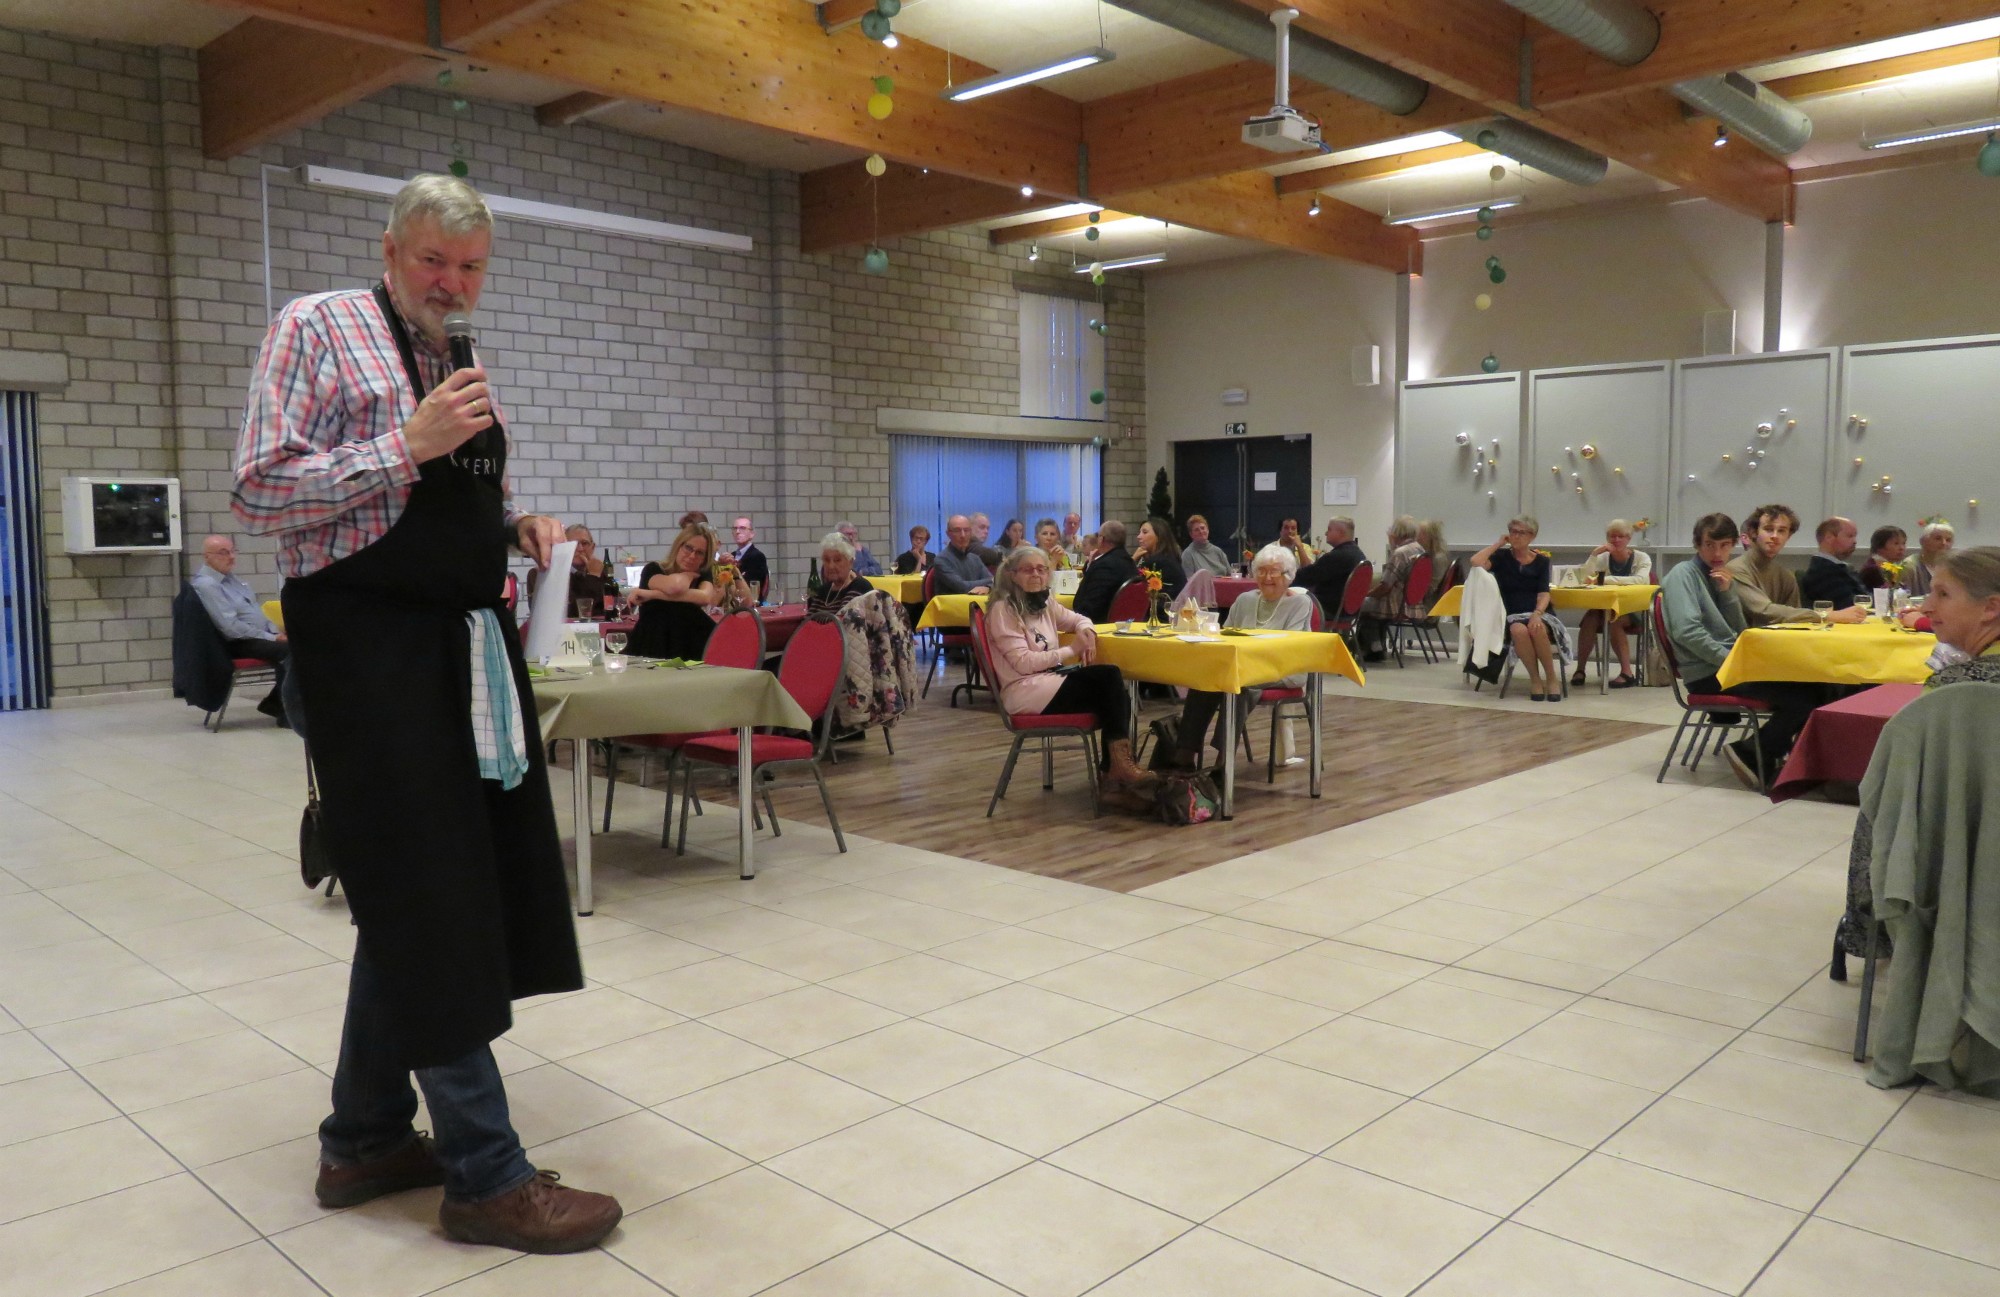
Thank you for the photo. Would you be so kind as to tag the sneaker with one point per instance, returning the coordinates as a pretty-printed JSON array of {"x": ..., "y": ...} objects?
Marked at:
[
  {"x": 539, "y": 1216},
  {"x": 413, "y": 1166},
  {"x": 1745, "y": 771}
]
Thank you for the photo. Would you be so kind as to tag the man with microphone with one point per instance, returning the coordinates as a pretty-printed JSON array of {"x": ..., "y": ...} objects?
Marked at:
[{"x": 374, "y": 448}]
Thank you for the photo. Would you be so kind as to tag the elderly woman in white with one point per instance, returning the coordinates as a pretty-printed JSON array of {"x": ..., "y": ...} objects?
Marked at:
[
  {"x": 1273, "y": 605},
  {"x": 1933, "y": 543}
]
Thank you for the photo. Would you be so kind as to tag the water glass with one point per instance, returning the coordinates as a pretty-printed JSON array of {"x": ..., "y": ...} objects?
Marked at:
[
  {"x": 1881, "y": 598},
  {"x": 1211, "y": 624},
  {"x": 585, "y": 607},
  {"x": 615, "y": 641},
  {"x": 1822, "y": 609}
]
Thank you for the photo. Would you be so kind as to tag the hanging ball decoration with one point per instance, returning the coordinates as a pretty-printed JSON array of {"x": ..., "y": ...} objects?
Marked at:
[
  {"x": 1096, "y": 267},
  {"x": 458, "y": 168},
  {"x": 1485, "y": 233},
  {"x": 444, "y": 78},
  {"x": 1483, "y": 302},
  {"x": 875, "y": 165},
  {"x": 1486, "y": 216},
  {"x": 874, "y": 26},
  {"x": 885, "y": 85},
  {"x": 1097, "y": 396},
  {"x": 1498, "y": 274},
  {"x": 459, "y": 105},
  {"x": 1492, "y": 263},
  {"x": 1490, "y": 365},
  {"x": 876, "y": 262},
  {"x": 1097, "y": 278},
  {"x": 1092, "y": 233},
  {"x": 880, "y": 106},
  {"x": 1497, "y": 173},
  {"x": 1989, "y": 156},
  {"x": 1094, "y": 217},
  {"x": 1486, "y": 139},
  {"x": 888, "y": 8}
]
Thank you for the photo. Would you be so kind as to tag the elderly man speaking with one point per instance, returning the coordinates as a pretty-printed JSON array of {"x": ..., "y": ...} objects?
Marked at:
[{"x": 383, "y": 472}]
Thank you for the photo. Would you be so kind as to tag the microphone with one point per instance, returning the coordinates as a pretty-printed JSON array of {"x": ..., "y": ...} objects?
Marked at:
[{"x": 458, "y": 333}]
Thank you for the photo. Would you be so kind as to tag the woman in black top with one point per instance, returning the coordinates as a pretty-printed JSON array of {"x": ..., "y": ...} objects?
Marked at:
[
  {"x": 916, "y": 560},
  {"x": 675, "y": 599},
  {"x": 1158, "y": 552},
  {"x": 1523, "y": 578},
  {"x": 839, "y": 583}
]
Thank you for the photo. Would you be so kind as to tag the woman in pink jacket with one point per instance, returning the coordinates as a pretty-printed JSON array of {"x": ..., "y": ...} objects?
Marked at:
[{"x": 1034, "y": 671}]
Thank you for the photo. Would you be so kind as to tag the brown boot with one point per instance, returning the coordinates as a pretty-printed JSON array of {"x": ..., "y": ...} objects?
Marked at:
[
  {"x": 539, "y": 1216},
  {"x": 413, "y": 1166},
  {"x": 1125, "y": 774}
]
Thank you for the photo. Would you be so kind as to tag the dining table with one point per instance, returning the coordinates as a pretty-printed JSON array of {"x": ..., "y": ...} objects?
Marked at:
[
  {"x": 954, "y": 611},
  {"x": 906, "y": 588},
  {"x": 1839, "y": 739},
  {"x": 1229, "y": 664},
  {"x": 652, "y": 697},
  {"x": 1611, "y": 600},
  {"x": 1843, "y": 653}
]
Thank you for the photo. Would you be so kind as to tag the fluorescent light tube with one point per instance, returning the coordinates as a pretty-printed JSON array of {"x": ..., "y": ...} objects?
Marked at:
[
  {"x": 1926, "y": 134},
  {"x": 1008, "y": 80},
  {"x": 522, "y": 209},
  {"x": 1123, "y": 263},
  {"x": 1446, "y": 213}
]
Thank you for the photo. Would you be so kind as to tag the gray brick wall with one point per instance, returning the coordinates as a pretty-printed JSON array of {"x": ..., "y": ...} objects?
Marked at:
[{"x": 640, "y": 380}]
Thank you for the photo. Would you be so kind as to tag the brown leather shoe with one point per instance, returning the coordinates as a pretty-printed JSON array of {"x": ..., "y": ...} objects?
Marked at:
[
  {"x": 413, "y": 1166},
  {"x": 539, "y": 1216}
]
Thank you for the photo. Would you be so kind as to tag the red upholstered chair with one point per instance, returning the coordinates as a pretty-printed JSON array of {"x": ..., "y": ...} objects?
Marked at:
[
  {"x": 810, "y": 671},
  {"x": 1047, "y": 728},
  {"x": 736, "y": 641},
  {"x": 1131, "y": 601},
  {"x": 1713, "y": 715},
  {"x": 950, "y": 639},
  {"x": 1408, "y": 608},
  {"x": 1351, "y": 599},
  {"x": 1280, "y": 698},
  {"x": 241, "y": 671}
]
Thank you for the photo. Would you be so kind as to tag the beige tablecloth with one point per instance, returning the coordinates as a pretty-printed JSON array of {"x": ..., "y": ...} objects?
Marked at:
[{"x": 662, "y": 700}]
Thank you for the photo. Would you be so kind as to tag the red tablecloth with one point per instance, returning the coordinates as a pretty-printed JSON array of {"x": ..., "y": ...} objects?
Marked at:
[
  {"x": 780, "y": 620},
  {"x": 1228, "y": 588},
  {"x": 1839, "y": 739}
]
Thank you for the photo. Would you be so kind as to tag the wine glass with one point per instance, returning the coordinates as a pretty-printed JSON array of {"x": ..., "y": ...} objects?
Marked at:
[
  {"x": 1822, "y": 609},
  {"x": 584, "y": 607},
  {"x": 616, "y": 641}
]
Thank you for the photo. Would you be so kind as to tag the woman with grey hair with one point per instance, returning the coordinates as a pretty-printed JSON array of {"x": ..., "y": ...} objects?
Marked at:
[
  {"x": 1034, "y": 672},
  {"x": 1385, "y": 597},
  {"x": 1933, "y": 543},
  {"x": 839, "y": 583},
  {"x": 1273, "y": 605}
]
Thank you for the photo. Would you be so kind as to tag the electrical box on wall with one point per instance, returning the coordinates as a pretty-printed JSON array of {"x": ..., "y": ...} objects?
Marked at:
[
  {"x": 1366, "y": 364},
  {"x": 121, "y": 515}
]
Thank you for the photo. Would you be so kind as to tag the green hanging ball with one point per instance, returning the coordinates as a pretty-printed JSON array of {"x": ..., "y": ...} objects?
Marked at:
[
  {"x": 1094, "y": 216},
  {"x": 444, "y": 77},
  {"x": 1486, "y": 215},
  {"x": 458, "y": 168},
  {"x": 874, "y": 26},
  {"x": 1485, "y": 233},
  {"x": 888, "y": 8},
  {"x": 885, "y": 85},
  {"x": 1989, "y": 156},
  {"x": 1492, "y": 263},
  {"x": 876, "y": 262},
  {"x": 1097, "y": 397},
  {"x": 1486, "y": 139},
  {"x": 459, "y": 105},
  {"x": 1490, "y": 365},
  {"x": 1092, "y": 234},
  {"x": 1098, "y": 279},
  {"x": 1498, "y": 275}
]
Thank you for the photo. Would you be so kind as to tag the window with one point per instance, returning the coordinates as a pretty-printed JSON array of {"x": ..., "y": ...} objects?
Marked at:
[
  {"x": 1062, "y": 358},
  {"x": 931, "y": 478}
]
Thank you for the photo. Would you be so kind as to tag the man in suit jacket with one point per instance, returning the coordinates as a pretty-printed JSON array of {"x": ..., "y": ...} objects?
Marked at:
[
  {"x": 751, "y": 564},
  {"x": 1828, "y": 576},
  {"x": 1107, "y": 574},
  {"x": 1325, "y": 578}
]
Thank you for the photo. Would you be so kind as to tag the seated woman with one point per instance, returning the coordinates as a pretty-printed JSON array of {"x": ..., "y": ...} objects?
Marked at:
[
  {"x": 1159, "y": 552},
  {"x": 1288, "y": 536},
  {"x": 1273, "y": 605},
  {"x": 1614, "y": 562},
  {"x": 1034, "y": 672},
  {"x": 839, "y": 583},
  {"x": 677, "y": 599},
  {"x": 1048, "y": 539},
  {"x": 1385, "y": 597},
  {"x": 1523, "y": 578},
  {"x": 1887, "y": 546},
  {"x": 590, "y": 576},
  {"x": 1012, "y": 536},
  {"x": 916, "y": 560},
  {"x": 1933, "y": 543}
]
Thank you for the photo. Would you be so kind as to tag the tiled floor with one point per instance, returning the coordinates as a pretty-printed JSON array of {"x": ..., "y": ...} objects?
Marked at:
[{"x": 1565, "y": 1033}]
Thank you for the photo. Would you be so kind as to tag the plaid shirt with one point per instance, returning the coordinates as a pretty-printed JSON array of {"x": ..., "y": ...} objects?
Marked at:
[{"x": 321, "y": 457}]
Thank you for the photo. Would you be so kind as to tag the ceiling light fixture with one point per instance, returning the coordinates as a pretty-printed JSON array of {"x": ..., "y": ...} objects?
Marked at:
[
  {"x": 1314, "y": 209},
  {"x": 1027, "y": 191},
  {"x": 1926, "y": 134},
  {"x": 1008, "y": 80},
  {"x": 1125, "y": 263},
  {"x": 891, "y": 41},
  {"x": 1721, "y": 136},
  {"x": 1446, "y": 213}
]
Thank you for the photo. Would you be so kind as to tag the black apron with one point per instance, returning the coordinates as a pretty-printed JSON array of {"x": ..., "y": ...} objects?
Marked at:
[{"x": 458, "y": 888}]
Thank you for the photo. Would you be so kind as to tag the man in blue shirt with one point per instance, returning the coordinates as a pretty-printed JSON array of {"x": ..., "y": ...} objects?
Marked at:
[
  {"x": 865, "y": 563},
  {"x": 959, "y": 568},
  {"x": 234, "y": 609}
]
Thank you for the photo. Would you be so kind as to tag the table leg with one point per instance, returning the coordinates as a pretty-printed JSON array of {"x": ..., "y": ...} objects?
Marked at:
[
  {"x": 1229, "y": 755},
  {"x": 1604, "y": 655},
  {"x": 746, "y": 866},
  {"x": 579, "y": 785},
  {"x": 1313, "y": 693}
]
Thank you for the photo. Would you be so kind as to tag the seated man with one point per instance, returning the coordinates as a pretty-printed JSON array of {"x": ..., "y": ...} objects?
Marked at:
[
  {"x": 1827, "y": 576},
  {"x": 1766, "y": 588},
  {"x": 865, "y": 563},
  {"x": 751, "y": 564},
  {"x": 1704, "y": 614},
  {"x": 960, "y": 570},
  {"x": 234, "y": 609},
  {"x": 1110, "y": 568},
  {"x": 1325, "y": 577}
]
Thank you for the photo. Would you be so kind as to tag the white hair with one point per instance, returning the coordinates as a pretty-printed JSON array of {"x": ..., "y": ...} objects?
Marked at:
[
  {"x": 1276, "y": 553},
  {"x": 1940, "y": 527},
  {"x": 454, "y": 205},
  {"x": 836, "y": 542}
]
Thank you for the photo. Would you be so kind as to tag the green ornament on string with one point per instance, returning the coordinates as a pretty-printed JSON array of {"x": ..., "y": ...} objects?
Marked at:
[
  {"x": 1098, "y": 279},
  {"x": 1490, "y": 365},
  {"x": 1097, "y": 397},
  {"x": 1099, "y": 327},
  {"x": 876, "y": 262},
  {"x": 1498, "y": 275},
  {"x": 888, "y": 8},
  {"x": 459, "y": 105},
  {"x": 1092, "y": 233},
  {"x": 1492, "y": 263},
  {"x": 1485, "y": 233},
  {"x": 458, "y": 168},
  {"x": 885, "y": 85},
  {"x": 444, "y": 78},
  {"x": 1486, "y": 139},
  {"x": 1989, "y": 156},
  {"x": 1486, "y": 215},
  {"x": 874, "y": 26},
  {"x": 1094, "y": 216}
]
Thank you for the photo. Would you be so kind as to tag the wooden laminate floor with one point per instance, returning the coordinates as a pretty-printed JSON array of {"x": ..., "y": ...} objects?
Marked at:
[{"x": 1381, "y": 756}]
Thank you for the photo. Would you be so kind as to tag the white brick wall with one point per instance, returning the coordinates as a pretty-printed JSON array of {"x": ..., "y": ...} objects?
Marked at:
[{"x": 641, "y": 380}]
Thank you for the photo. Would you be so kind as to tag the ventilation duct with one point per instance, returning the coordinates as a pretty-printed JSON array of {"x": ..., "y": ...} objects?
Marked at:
[
  {"x": 1538, "y": 149},
  {"x": 1244, "y": 31},
  {"x": 1625, "y": 32}
]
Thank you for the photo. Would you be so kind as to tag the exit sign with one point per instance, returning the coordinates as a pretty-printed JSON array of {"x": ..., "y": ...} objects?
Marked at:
[{"x": 1235, "y": 429}]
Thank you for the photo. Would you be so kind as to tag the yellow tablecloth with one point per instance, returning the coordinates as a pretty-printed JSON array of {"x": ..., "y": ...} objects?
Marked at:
[
  {"x": 1870, "y": 653},
  {"x": 1618, "y": 599},
  {"x": 1228, "y": 665},
  {"x": 274, "y": 612},
  {"x": 907, "y": 589},
  {"x": 954, "y": 611}
]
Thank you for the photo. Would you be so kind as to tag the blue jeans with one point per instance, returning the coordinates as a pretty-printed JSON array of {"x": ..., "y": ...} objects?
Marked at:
[{"x": 374, "y": 1104}]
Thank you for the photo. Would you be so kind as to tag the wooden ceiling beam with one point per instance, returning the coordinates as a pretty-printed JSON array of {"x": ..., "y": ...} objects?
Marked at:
[
  {"x": 1704, "y": 37},
  {"x": 843, "y": 206},
  {"x": 571, "y": 109},
  {"x": 1648, "y": 131},
  {"x": 1394, "y": 164},
  {"x": 396, "y": 24},
  {"x": 1246, "y": 206},
  {"x": 1468, "y": 47},
  {"x": 837, "y": 14},
  {"x": 1049, "y": 229},
  {"x": 1860, "y": 76}
]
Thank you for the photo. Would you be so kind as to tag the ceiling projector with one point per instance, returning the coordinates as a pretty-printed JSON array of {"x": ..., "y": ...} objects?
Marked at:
[{"x": 1283, "y": 130}]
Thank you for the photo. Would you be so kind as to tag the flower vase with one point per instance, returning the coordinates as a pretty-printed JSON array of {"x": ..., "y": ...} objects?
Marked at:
[{"x": 1155, "y": 616}]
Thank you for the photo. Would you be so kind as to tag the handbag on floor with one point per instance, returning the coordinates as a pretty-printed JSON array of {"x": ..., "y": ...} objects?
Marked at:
[{"x": 1187, "y": 798}]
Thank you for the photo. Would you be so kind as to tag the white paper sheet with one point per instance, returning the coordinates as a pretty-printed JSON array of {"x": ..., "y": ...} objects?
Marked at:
[{"x": 550, "y": 606}]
